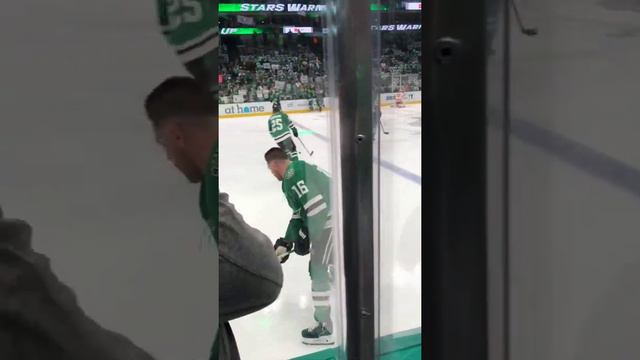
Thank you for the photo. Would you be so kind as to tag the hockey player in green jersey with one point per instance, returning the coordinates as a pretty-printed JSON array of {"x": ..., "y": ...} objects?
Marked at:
[
  {"x": 319, "y": 101},
  {"x": 308, "y": 193},
  {"x": 315, "y": 102},
  {"x": 281, "y": 129},
  {"x": 309, "y": 94}
]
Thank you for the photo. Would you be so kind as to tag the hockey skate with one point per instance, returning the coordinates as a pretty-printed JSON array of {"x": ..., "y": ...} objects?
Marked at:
[{"x": 321, "y": 334}]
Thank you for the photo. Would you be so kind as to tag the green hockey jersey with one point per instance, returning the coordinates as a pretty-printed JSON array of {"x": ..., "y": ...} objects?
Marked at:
[
  {"x": 209, "y": 194},
  {"x": 189, "y": 26},
  {"x": 308, "y": 192},
  {"x": 280, "y": 126},
  {"x": 310, "y": 93}
]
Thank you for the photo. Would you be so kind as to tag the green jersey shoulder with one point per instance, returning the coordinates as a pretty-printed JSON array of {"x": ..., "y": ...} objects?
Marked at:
[{"x": 190, "y": 26}]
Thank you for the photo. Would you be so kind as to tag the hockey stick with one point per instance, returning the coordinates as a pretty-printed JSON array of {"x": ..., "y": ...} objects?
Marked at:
[
  {"x": 305, "y": 148},
  {"x": 382, "y": 127},
  {"x": 380, "y": 123}
]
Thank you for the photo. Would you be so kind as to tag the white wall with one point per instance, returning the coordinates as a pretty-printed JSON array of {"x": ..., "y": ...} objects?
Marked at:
[{"x": 78, "y": 161}]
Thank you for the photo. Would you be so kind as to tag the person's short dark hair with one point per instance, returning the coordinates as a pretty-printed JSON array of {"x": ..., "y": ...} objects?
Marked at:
[
  {"x": 275, "y": 153},
  {"x": 179, "y": 96}
]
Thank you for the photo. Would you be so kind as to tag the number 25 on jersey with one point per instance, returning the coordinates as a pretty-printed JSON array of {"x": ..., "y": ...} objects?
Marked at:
[
  {"x": 277, "y": 124},
  {"x": 183, "y": 11}
]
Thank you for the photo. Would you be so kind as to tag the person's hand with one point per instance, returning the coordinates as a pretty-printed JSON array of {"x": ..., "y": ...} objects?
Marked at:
[{"x": 283, "y": 249}]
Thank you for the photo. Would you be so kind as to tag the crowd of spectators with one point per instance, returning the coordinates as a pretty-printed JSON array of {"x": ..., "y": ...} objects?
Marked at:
[
  {"x": 268, "y": 74},
  {"x": 260, "y": 73}
]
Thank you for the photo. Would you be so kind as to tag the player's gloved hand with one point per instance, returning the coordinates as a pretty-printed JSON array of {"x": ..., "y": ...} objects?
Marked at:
[
  {"x": 294, "y": 131},
  {"x": 282, "y": 249},
  {"x": 302, "y": 244}
]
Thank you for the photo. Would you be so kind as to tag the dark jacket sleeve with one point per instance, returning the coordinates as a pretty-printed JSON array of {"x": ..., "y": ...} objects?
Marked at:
[{"x": 40, "y": 317}]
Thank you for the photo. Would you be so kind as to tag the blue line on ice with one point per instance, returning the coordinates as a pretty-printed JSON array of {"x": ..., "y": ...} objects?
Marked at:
[
  {"x": 591, "y": 161},
  {"x": 389, "y": 166}
]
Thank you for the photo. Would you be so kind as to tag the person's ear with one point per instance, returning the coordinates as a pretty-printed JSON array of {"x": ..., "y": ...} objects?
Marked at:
[{"x": 176, "y": 133}]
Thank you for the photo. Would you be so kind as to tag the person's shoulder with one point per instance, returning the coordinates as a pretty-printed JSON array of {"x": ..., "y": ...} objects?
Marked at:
[
  {"x": 295, "y": 169},
  {"x": 300, "y": 164}
]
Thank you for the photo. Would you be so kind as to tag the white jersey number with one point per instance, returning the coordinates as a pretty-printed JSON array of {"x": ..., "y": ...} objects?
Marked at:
[
  {"x": 183, "y": 11},
  {"x": 300, "y": 188},
  {"x": 277, "y": 124}
]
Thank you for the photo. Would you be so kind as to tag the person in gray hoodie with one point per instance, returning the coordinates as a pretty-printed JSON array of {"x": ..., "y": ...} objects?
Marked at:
[{"x": 40, "y": 318}]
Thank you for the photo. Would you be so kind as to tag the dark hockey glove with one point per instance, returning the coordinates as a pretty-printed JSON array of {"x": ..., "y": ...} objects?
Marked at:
[
  {"x": 302, "y": 244},
  {"x": 283, "y": 249},
  {"x": 294, "y": 131}
]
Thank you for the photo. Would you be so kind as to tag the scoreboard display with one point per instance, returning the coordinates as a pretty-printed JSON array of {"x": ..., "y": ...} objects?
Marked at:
[
  {"x": 297, "y": 7},
  {"x": 255, "y": 7},
  {"x": 257, "y": 18}
]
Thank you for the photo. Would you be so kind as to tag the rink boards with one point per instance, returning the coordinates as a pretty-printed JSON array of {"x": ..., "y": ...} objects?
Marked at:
[{"x": 300, "y": 105}]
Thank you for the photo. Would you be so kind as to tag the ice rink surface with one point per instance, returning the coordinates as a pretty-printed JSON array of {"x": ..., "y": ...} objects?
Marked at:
[{"x": 274, "y": 333}]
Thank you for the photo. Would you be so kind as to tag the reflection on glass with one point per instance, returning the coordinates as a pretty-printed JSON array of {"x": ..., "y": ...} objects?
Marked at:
[
  {"x": 398, "y": 134},
  {"x": 276, "y": 160}
]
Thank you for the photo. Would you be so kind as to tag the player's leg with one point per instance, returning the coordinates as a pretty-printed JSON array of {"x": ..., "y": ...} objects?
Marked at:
[
  {"x": 289, "y": 147},
  {"x": 319, "y": 264}
]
